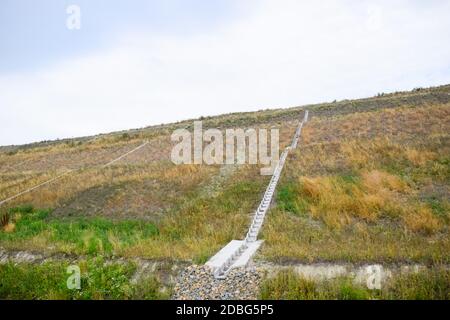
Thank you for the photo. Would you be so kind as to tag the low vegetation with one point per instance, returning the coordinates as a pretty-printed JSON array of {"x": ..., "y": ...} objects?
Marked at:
[
  {"x": 432, "y": 284},
  {"x": 98, "y": 281}
]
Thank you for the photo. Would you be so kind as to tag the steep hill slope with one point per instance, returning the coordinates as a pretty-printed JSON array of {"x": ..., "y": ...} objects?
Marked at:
[{"x": 369, "y": 183}]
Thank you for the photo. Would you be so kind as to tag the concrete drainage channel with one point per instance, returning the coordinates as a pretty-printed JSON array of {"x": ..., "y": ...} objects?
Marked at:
[{"x": 238, "y": 253}]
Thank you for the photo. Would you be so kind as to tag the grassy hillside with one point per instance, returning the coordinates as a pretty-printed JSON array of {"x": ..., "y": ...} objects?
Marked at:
[
  {"x": 368, "y": 183},
  {"x": 366, "y": 186},
  {"x": 192, "y": 210}
]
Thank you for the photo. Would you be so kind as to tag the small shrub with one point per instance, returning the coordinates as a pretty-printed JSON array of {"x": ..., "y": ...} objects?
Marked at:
[
  {"x": 71, "y": 143},
  {"x": 4, "y": 219},
  {"x": 11, "y": 153}
]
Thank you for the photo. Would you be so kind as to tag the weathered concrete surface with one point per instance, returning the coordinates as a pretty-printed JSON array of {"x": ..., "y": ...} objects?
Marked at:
[{"x": 225, "y": 253}]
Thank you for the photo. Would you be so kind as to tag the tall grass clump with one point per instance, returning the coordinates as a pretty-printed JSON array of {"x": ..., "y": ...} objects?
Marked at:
[{"x": 371, "y": 195}]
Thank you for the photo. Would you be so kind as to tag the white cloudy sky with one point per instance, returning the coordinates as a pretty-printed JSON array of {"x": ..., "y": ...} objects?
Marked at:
[{"x": 183, "y": 62}]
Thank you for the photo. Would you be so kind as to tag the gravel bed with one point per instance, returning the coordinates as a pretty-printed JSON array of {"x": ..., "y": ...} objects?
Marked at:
[{"x": 198, "y": 283}]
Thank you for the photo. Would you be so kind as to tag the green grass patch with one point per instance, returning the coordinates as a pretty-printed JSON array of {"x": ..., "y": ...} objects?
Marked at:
[
  {"x": 234, "y": 195},
  {"x": 288, "y": 199},
  {"x": 293, "y": 198},
  {"x": 89, "y": 236},
  {"x": 98, "y": 281}
]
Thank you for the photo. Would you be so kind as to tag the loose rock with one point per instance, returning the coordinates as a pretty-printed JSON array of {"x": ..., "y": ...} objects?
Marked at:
[{"x": 198, "y": 283}]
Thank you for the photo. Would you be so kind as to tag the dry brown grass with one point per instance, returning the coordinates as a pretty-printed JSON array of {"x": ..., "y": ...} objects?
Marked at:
[
  {"x": 369, "y": 186},
  {"x": 377, "y": 181},
  {"x": 379, "y": 194},
  {"x": 421, "y": 219},
  {"x": 123, "y": 185},
  {"x": 9, "y": 227},
  {"x": 419, "y": 158},
  {"x": 402, "y": 123},
  {"x": 290, "y": 238},
  {"x": 337, "y": 202}
]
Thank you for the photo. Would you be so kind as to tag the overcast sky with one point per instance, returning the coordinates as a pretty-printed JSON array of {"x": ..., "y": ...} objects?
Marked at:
[{"x": 137, "y": 63}]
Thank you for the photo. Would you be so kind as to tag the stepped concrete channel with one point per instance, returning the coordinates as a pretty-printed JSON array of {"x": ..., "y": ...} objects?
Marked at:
[{"x": 237, "y": 253}]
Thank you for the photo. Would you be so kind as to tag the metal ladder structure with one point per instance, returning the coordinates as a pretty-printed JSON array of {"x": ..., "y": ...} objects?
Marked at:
[{"x": 259, "y": 215}]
